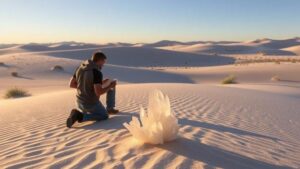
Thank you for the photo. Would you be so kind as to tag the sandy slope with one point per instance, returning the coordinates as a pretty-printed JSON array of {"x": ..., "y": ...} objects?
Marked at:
[
  {"x": 125, "y": 63},
  {"x": 235, "y": 48},
  {"x": 36, "y": 76},
  {"x": 252, "y": 129},
  {"x": 253, "y": 124},
  {"x": 253, "y": 73},
  {"x": 294, "y": 49}
]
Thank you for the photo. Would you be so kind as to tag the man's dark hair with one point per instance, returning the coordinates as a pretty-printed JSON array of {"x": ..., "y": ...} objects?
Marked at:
[{"x": 98, "y": 56}]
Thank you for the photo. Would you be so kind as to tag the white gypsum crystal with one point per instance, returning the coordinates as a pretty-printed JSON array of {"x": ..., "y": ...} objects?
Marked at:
[{"x": 158, "y": 124}]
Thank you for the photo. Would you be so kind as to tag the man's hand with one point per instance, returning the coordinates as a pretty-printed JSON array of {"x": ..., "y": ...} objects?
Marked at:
[
  {"x": 105, "y": 80},
  {"x": 99, "y": 90},
  {"x": 113, "y": 84}
]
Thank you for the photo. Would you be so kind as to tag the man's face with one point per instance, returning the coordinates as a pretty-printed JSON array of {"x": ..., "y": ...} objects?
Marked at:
[{"x": 101, "y": 63}]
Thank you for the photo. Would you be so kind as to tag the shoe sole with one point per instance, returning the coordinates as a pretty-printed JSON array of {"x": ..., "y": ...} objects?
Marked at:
[
  {"x": 72, "y": 118},
  {"x": 70, "y": 122}
]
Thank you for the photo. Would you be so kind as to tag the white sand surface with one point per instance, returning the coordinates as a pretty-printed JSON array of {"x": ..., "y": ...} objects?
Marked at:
[
  {"x": 34, "y": 67},
  {"x": 219, "y": 127},
  {"x": 252, "y": 124},
  {"x": 253, "y": 73},
  {"x": 294, "y": 49}
]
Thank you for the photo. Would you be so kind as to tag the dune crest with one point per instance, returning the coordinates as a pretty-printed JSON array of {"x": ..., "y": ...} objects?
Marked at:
[{"x": 158, "y": 125}]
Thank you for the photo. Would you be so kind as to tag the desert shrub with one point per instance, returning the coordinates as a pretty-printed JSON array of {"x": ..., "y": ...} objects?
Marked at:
[
  {"x": 16, "y": 93},
  {"x": 277, "y": 62},
  {"x": 261, "y": 53},
  {"x": 231, "y": 79},
  {"x": 2, "y": 64},
  {"x": 57, "y": 68},
  {"x": 275, "y": 78},
  {"x": 14, "y": 74}
]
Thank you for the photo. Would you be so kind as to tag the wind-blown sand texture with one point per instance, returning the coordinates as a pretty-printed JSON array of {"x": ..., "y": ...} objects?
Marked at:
[{"x": 252, "y": 124}]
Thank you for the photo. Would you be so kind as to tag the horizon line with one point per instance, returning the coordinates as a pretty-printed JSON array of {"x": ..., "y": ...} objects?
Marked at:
[{"x": 113, "y": 42}]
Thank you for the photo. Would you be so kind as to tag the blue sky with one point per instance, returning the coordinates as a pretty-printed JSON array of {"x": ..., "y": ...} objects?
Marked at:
[{"x": 103, "y": 21}]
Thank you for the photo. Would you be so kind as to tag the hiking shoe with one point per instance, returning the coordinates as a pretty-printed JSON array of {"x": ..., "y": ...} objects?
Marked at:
[
  {"x": 112, "y": 111},
  {"x": 75, "y": 115}
]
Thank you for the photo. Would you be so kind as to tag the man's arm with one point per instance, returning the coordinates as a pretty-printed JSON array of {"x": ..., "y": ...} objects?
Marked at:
[
  {"x": 104, "y": 81},
  {"x": 73, "y": 83},
  {"x": 99, "y": 90}
]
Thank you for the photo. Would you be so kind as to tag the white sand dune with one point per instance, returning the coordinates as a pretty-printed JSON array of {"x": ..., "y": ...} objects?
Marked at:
[
  {"x": 35, "y": 73},
  {"x": 219, "y": 127},
  {"x": 163, "y": 43},
  {"x": 253, "y": 124},
  {"x": 235, "y": 48},
  {"x": 11, "y": 49},
  {"x": 267, "y": 46},
  {"x": 54, "y": 47},
  {"x": 35, "y": 68},
  {"x": 262, "y": 46},
  {"x": 40, "y": 48},
  {"x": 256, "y": 73},
  {"x": 294, "y": 49},
  {"x": 5, "y": 46},
  {"x": 279, "y": 44},
  {"x": 136, "y": 56}
]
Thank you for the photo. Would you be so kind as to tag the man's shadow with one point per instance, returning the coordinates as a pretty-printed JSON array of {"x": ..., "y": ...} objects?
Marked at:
[{"x": 114, "y": 122}]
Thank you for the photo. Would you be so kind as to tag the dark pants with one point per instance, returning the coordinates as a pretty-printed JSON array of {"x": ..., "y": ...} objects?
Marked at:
[{"x": 98, "y": 112}]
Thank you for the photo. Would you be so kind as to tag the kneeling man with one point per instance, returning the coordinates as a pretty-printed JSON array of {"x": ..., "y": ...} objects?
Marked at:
[{"x": 88, "y": 80}]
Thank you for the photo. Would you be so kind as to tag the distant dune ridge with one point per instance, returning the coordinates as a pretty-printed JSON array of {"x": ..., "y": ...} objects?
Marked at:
[
  {"x": 251, "y": 124},
  {"x": 268, "y": 46}
]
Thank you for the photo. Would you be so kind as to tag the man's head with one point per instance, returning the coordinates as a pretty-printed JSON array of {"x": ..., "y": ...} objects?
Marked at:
[{"x": 99, "y": 58}]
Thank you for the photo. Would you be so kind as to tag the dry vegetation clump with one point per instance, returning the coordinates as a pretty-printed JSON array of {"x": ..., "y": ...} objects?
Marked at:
[
  {"x": 261, "y": 53},
  {"x": 277, "y": 62},
  {"x": 247, "y": 61},
  {"x": 275, "y": 78},
  {"x": 2, "y": 64},
  {"x": 14, "y": 74},
  {"x": 16, "y": 93},
  {"x": 231, "y": 79},
  {"x": 57, "y": 68}
]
